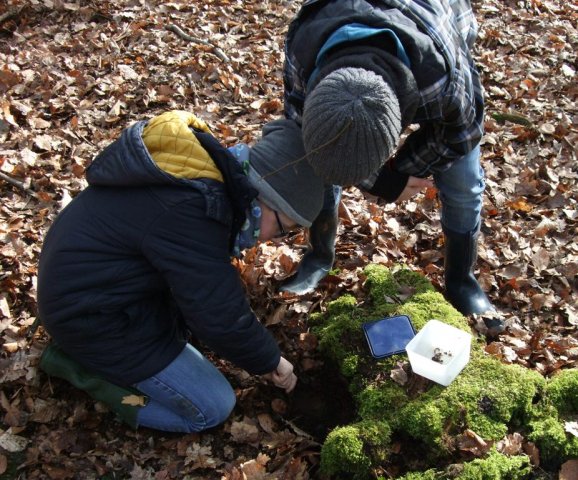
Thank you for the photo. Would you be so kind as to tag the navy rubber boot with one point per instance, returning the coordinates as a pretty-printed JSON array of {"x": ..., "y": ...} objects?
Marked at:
[{"x": 462, "y": 289}]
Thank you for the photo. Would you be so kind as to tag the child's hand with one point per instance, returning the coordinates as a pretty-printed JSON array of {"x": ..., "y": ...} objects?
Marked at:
[
  {"x": 414, "y": 186},
  {"x": 283, "y": 376}
]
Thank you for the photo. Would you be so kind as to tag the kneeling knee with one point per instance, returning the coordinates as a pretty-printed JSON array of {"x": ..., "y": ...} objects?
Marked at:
[
  {"x": 222, "y": 408},
  {"x": 215, "y": 412}
]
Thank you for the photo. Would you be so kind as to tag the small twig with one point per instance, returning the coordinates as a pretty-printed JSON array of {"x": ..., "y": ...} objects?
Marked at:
[
  {"x": 502, "y": 117},
  {"x": 185, "y": 36},
  {"x": 17, "y": 183}
]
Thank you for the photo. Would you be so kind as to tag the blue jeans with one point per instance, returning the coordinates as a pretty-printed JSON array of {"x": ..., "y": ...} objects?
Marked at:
[
  {"x": 461, "y": 188},
  {"x": 189, "y": 395}
]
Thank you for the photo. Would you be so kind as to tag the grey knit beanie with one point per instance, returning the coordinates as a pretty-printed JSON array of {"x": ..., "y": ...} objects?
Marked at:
[
  {"x": 351, "y": 125},
  {"x": 278, "y": 169}
]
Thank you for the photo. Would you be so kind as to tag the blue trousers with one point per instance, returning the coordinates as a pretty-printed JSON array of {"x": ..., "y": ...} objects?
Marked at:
[
  {"x": 461, "y": 188},
  {"x": 189, "y": 395}
]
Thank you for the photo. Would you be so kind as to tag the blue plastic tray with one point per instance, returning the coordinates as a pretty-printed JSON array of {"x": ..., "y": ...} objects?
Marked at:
[{"x": 388, "y": 336}]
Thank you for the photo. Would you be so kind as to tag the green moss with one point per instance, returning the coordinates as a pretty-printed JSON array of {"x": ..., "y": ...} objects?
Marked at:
[
  {"x": 353, "y": 449},
  {"x": 494, "y": 467},
  {"x": 343, "y": 452},
  {"x": 423, "y": 420},
  {"x": 316, "y": 318},
  {"x": 381, "y": 402},
  {"x": 423, "y": 307},
  {"x": 497, "y": 467},
  {"x": 340, "y": 337},
  {"x": 562, "y": 391},
  {"x": 555, "y": 444},
  {"x": 349, "y": 366},
  {"x": 344, "y": 304},
  {"x": 388, "y": 288},
  {"x": 488, "y": 397},
  {"x": 427, "y": 475}
]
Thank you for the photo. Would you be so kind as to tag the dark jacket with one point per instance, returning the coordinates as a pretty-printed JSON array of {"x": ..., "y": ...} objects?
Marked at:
[
  {"x": 141, "y": 255},
  {"x": 431, "y": 39}
]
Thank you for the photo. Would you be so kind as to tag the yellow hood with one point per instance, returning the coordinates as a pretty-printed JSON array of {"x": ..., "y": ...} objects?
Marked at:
[{"x": 175, "y": 149}]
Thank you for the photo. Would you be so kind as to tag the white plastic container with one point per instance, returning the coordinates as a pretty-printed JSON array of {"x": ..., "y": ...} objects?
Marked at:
[{"x": 439, "y": 352}]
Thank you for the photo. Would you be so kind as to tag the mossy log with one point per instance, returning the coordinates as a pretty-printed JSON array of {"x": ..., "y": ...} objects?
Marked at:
[{"x": 487, "y": 401}]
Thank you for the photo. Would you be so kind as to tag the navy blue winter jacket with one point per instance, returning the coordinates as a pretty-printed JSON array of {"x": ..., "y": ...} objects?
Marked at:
[{"x": 140, "y": 256}]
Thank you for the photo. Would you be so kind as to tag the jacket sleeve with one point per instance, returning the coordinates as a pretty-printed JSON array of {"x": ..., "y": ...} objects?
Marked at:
[
  {"x": 191, "y": 252},
  {"x": 389, "y": 184}
]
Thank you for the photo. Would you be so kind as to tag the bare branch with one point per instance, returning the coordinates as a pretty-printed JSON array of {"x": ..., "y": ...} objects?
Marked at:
[{"x": 185, "y": 36}]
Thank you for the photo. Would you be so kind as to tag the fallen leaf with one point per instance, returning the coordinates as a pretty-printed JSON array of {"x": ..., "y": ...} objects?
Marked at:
[
  {"x": 255, "y": 469},
  {"x": 399, "y": 375},
  {"x": 134, "y": 400},
  {"x": 471, "y": 442},
  {"x": 279, "y": 406},
  {"x": 200, "y": 456},
  {"x": 569, "y": 470},
  {"x": 12, "y": 443},
  {"x": 267, "y": 423},
  {"x": 4, "y": 307},
  {"x": 571, "y": 428},
  {"x": 244, "y": 432},
  {"x": 511, "y": 444}
]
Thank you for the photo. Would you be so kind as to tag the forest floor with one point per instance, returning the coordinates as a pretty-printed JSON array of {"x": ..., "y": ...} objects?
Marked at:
[{"x": 74, "y": 74}]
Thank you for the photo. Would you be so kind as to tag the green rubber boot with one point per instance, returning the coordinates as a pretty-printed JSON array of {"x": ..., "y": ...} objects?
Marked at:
[
  {"x": 318, "y": 260},
  {"x": 119, "y": 399}
]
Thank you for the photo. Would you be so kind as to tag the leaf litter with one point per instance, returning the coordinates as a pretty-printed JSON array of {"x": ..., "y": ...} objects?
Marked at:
[{"x": 75, "y": 74}]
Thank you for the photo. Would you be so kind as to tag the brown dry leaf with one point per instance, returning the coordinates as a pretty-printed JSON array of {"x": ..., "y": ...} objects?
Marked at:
[
  {"x": 282, "y": 439},
  {"x": 533, "y": 452},
  {"x": 138, "y": 473},
  {"x": 12, "y": 443},
  {"x": 297, "y": 469},
  {"x": 3, "y": 464},
  {"x": 198, "y": 456},
  {"x": 569, "y": 470},
  {"x": 10, "y": 347},
  {"x": 234, "y": 474},
  {"x": 134, "y": 400},
  {"x": 541, "y": 259},
  {"x": 267, "y": 423},
  {"x": 244, "y": 432},
  {"x": 62, "y": 473},
  {"x": 308, "y": 341},
  {"x": 511, "y": 444},
  {"x": 277, "y": 316},
  {"x": 471, "y": 442},
  {"x": 256, "y": 469},
  {"x": 308, "y": 363},
  {"x": 521, "y": 205},
  {"x": 279, "y": 406},
  {"x": 45, "y": 411},
  {"x": 398, "y": 374},
  {"x": 273, "y": 106}
]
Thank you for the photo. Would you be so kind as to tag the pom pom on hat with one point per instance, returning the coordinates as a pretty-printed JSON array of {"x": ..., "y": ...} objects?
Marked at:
[
  {"x": 278, "y": 169},
  {"x": 351, "y": 125}
]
